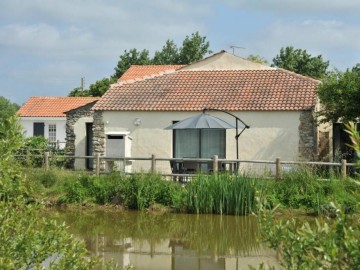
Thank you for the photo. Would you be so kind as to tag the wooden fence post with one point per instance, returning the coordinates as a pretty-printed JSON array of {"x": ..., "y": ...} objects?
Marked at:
[
  {"x": 278, "y": 168},
  {"x": 46, "y": 159},
  {"x": 153, "y": 164},
  {"x": 343, "y": 168},
  {"x": 215, "y": 163},
  {"x": 97, "y": 155}
]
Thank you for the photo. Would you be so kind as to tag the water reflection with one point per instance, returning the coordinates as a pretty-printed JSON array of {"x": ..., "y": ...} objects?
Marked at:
[{"x": 169, "y": 241}]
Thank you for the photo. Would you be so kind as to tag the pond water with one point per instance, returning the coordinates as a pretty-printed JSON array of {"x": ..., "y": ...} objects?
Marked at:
[{"x": 169, "y": 241}]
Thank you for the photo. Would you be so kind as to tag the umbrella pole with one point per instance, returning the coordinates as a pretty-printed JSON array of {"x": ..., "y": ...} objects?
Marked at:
[{"x": 237, "y": 140}]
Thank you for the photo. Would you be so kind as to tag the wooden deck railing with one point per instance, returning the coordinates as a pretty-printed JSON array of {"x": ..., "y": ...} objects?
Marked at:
[{"x": 215, "y": 161}]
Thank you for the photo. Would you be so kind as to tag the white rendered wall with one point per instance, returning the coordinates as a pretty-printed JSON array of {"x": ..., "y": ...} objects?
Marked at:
[
  {"x": 271, "y": 135},
  {"x": 60, "y": 122}
]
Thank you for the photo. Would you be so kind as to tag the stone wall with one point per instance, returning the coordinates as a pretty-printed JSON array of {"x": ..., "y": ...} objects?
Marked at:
[
  {"x": 308, "y": 137},
  {"x": 71, "y": 118},
  {"x": 99, "y": 137}
]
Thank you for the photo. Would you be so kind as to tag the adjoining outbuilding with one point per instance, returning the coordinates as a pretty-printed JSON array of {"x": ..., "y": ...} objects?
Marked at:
[{"x": 45, "y": 116}]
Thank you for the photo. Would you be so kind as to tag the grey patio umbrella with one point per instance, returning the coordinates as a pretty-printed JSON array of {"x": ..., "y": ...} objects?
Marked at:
[
  {"x": 201, "y": 121},
  {"x": 206, "y": 121}
]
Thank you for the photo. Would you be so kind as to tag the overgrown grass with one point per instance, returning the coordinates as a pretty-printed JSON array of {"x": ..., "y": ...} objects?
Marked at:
[
  {"x": 302, "y": 189},
  {"x": 138, "y": 191},
  {"x": 217, "y": 194}
]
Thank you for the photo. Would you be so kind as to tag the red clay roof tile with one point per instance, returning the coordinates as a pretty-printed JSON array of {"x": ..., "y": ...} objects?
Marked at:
[
  {"x": 234, "y": 90},
  {"x": 52, "y": 106},
  {"x": 141, "y": 71}
]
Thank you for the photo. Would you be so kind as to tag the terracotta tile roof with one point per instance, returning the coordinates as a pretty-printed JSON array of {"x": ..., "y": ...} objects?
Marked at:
[
  {"x": 52, "y": 106},
  {"x": 235, "y": 90},
  {"x": 141, "y": 71}
]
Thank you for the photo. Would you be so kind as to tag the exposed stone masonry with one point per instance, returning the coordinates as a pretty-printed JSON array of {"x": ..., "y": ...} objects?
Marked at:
[
  {"x": 71, "y": 118},
  {"x": 308, "y": 137},
  {"x": 99, "y": 137}
]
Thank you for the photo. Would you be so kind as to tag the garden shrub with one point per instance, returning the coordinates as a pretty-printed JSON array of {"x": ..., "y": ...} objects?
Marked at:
[
  {"x": 32, "y": 152},
  {"x": 323, "y": 245}
]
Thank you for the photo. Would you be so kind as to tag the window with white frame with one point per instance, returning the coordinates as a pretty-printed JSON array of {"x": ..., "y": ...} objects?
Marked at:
[{"x": 52, "y": 133}]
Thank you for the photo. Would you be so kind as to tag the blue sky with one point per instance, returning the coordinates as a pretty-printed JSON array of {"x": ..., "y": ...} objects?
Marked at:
[{"x": 46, "y": 46}]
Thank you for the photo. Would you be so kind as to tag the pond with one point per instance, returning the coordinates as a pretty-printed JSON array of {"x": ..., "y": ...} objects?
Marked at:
[{"x": 150, "y": 240}]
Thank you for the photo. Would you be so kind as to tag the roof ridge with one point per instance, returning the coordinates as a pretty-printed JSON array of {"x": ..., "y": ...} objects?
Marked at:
[
  {"x": 62, "y": 97},
  {"x": 156, "y": 65},
  {"x": 146, "y": 77}
]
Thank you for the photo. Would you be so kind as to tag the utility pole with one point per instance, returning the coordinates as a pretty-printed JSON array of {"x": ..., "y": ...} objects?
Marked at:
[
  {"x": 236, "y": 47},
  {"x": 82, "y": 83}
]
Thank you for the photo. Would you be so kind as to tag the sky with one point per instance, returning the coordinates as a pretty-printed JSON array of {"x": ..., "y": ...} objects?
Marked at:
[{"x": 47, "y": 46}]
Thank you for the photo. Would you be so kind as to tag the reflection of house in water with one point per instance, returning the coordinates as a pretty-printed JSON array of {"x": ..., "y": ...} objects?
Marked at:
[
  {"x": 171, "y": 254},
  {"x": 185, "y": 258}
]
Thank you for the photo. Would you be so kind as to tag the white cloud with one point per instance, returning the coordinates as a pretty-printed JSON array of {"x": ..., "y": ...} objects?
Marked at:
[
  {"x": 328, "y": 38},
  {"x": 40, "y": 37},
  {"x": 300, "y": 6}
]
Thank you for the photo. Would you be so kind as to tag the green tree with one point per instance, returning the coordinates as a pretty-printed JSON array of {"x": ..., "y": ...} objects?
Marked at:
[
  {"x": 98, "y": 88},
  {"x": 79, "y": 92},
  {"x": 193, "y": 49},
  {"x": 339, "y": 95},
  {"x": 257, "y": 59},
  {"x": 131, "y": 57},
  {"x": 168, "y": 55},
  {"x": 7, "y": 108},
  {"x": 301, "y": 62}
]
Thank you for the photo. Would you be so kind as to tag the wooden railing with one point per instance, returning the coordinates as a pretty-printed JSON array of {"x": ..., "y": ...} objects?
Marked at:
[{"x": 279, "y": 164}]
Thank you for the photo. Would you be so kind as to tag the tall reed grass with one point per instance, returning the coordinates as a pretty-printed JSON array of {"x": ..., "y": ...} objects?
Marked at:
[{"x": 222, "y": 194}]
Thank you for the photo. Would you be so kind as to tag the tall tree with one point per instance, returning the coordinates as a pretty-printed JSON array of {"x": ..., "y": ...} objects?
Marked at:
[
  {"x": 168, "y": 55},
  {"x": 193, "y": 49},
  {"x": 132, "y": 57},
  {"x": 7, "y": 108},
  {"x": 301, "y": 62},
  {"x": 339, "y": 95}
]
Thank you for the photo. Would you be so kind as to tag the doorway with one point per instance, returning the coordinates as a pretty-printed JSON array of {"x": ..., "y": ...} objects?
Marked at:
[{"x": 89, "y": 146}]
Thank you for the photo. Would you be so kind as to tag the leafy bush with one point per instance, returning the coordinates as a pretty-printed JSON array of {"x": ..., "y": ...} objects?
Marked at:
[
  {"x": 48, "y": 178},
  {"x": 326, "y": 245},
  {"x": 27, "y": 241},
  {"x": 32, "y": 152}
]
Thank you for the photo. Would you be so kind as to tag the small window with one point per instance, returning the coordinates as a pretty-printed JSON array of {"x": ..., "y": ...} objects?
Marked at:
[{"x": 52, "y": 133}]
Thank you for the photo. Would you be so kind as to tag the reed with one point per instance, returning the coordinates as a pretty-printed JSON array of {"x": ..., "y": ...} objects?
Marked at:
[{"x": 222, "y": 194}]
